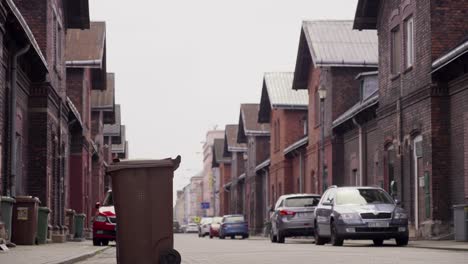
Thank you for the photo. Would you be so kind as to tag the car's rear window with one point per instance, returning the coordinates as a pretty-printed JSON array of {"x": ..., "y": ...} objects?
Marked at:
[
  {"x": 234, "y": 219},
  {"x": 302, "y": 201}
]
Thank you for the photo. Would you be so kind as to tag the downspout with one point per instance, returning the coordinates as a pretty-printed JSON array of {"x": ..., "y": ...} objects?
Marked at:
[
  {"x": 361, "y": 152},
  {"x": 301, "y": 180},
  {"x": 13, "y": 95}
]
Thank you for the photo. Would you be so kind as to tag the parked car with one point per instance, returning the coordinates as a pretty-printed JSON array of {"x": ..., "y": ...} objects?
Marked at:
[
  {"x": 175, "y": 226},
  {"x": 104, "y": 221},
  {"x": 204, "y": 227},
  {"x": 183, "y": 228},
  {"x": 232, "y": 226},
  {"x": 293, "y": 215},
  {"x": 191, "y": 228},
  {"x": 359, "y": 213},
  {"x": 215, "y": 226}
]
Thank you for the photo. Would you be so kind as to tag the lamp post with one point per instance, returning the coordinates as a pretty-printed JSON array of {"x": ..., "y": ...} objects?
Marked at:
[{"x": 322, "y": 92}]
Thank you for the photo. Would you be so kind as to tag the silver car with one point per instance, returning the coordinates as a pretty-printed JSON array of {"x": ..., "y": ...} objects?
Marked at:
[
  {"x": 293, "y": 216},
  {"x": 359, "y": 213}
]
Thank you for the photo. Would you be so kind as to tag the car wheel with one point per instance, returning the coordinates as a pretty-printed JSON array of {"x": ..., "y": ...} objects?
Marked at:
[
  {"x": 281, "y": 237},
  {"x": 402, "y": 241},
  {"x": 335, "y": 239},
  {"x": 378, "y": 242},
  {"x": 245, "y": 236},
  {"x": 232, "y": 237},
  {"x": 96, "y": 242},
  {"x": 105, "y": 242},
  {"x": 319, "y": 241},
  {"x": 211, "y": 237},
  {"x": 273, "y": 238},
  {"x": 221, "y": 236}
]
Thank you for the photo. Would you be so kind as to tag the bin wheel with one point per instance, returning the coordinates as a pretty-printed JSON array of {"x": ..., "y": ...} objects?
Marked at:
[
  {"x": 170, "y": 256},
  {"x": 96, "y": 242}
]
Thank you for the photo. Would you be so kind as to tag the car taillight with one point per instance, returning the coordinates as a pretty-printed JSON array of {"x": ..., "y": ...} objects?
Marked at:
[{"x": 287, "y": 213}]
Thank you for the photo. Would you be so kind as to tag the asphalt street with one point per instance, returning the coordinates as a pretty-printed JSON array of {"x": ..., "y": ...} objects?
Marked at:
[{"x": 195, "y": 250}]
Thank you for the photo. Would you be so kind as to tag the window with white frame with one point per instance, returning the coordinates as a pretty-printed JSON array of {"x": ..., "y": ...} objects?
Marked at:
[
  {"x": 409, "y": 58},
  {"x": 395, "y": 50}
]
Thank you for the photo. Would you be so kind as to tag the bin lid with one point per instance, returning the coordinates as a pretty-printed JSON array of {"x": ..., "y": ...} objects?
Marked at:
[
  {"x": 7, "y": 199},
  {"x": 460, "y": 205},
  {"x": 139, "y": 164},
  {"x": 44, "y": 209},
  {"x": 27, "y": 199}
]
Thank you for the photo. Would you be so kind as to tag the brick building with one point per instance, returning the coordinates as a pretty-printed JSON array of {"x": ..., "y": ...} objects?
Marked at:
[
  {"x": 120, "y": 150},
  {"x": 330, "y": 55},
  {"x": 210, "y": 174},
  {"x": 35, "y": 162},
  {"x": 103, "y": 113},
  {"x": 224, "y": 166},
  {"x": 356, "y": 138},
  {"x": 236, "y": 152},
  {"x": 257, "y": 138},
  {"x": 422, "y": 105},
  {"x": 86, "y": 71},
  {"x": 285, "y": 110}
]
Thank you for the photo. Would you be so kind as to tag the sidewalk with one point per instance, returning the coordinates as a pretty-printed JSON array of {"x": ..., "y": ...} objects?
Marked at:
[
  {"x": 427, "y": 244},
  {"x": 65, "y": 253}
]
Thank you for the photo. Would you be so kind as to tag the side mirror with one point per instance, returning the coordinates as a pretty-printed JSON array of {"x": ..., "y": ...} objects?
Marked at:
[
  {"x": 398, "y": 202},
  {"x": 327, "y": 203},
  {"x": 98, "y": 204}
]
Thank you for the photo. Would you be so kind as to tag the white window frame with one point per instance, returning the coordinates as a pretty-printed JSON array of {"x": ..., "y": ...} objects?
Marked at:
[{"x": 409, "y": 25}]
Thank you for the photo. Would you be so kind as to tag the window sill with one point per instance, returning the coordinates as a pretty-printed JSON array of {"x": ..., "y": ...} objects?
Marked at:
[
  {"x": 408, "y": 69},
  {"x": 395, "y": 76}
]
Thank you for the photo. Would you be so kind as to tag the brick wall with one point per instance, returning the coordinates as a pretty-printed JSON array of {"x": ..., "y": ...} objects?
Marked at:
[{"x": 447, "y": 26}]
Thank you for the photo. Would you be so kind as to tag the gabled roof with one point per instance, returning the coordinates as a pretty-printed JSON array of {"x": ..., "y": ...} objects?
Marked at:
[
  {"x": 248, "y": 123},
  {"x": 277, "y": 92},
  {"x": 86, "y": 45},
  {"x": 105, "y": 100},
  {"x": 87, "y": 49},
  {"x": 333, "y": 43},
  {"x": 450, "y": 56},
  {"x": 114, "y": 129},
  {"x": 366, "y": 14},
  {"x": 120, "y": 148},
  {"x": 218, "y": 153},
  {"x": 230, "y": 141}
]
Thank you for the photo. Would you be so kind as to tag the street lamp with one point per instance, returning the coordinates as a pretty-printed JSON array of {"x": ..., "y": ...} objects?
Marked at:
[{"x": 322, "y": 93}]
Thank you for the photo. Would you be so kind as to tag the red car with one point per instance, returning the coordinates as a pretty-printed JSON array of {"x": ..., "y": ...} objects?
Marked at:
[
  {"x": 215, "y": 226},
  {"x": 104, "y": 222}
]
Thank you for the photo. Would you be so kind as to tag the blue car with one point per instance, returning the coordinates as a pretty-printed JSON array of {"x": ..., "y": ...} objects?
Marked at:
[{"x": 232, "y": 226}]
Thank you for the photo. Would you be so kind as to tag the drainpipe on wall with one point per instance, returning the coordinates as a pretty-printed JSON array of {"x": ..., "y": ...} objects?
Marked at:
[
  {"x": 13, "y": 95},
  {"x": 301, "y": 180},
  {"x": 362, "y": 158}
]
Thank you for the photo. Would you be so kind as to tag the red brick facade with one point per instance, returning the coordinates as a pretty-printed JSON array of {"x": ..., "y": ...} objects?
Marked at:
[{"x": 415, "y": 104}]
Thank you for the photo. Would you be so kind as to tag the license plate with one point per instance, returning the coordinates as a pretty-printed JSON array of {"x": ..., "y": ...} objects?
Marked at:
[
  {"x": 378, "y": 224},
  {"x": 305, "y": 214}
]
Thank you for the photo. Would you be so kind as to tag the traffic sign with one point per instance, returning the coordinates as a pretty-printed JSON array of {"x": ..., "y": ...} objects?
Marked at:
[{"x": 205, "y": 205}]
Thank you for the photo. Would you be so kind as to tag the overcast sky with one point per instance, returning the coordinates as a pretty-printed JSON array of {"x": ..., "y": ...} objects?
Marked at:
[{"x": 184, "y": 66}]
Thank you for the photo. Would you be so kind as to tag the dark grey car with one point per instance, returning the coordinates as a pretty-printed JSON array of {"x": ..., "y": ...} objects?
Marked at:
[
  {"x": 293, "y": 216},
  {"x": 359, "y": 213}
]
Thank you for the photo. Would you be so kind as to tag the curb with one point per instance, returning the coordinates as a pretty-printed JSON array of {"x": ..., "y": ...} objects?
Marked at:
[
  {"x": 440, "y": 248},
  {"x": 82, "y": 257}
]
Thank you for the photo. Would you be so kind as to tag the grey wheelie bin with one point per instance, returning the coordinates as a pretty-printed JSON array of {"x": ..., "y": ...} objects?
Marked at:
[
  {"x": 460, "y": 213},
  {"x": 142, "y": 191}
]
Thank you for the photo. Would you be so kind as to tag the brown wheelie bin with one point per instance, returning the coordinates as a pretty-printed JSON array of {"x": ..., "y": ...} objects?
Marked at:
[
  {"x": 24, "y": 224},
  {"x": 142, "y": 193}
]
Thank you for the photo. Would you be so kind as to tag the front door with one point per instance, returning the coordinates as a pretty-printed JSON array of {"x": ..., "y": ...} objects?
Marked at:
[{"x": 421, "y": 183}]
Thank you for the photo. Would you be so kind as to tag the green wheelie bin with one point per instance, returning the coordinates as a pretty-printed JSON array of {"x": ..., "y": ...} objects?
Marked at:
[
  {"x": 7, "y": 213},
  {"x": 42, "y": 224}
]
